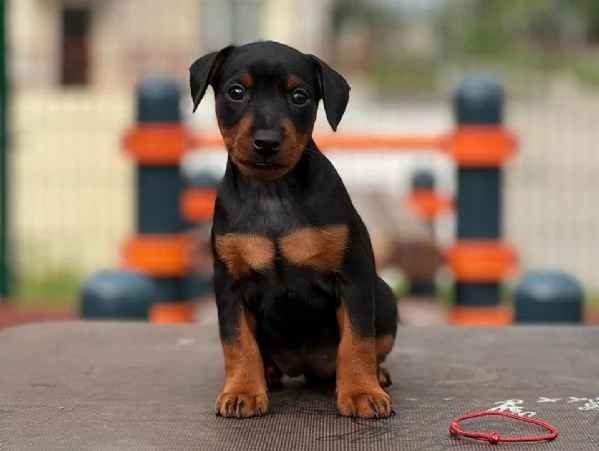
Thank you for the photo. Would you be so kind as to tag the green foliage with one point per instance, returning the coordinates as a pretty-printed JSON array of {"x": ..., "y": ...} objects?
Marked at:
[
  {"x": 547, "y": 36},
  {"x": 367, "y": 14},
  {"x": 489, "y": 27},
  {"x": 589, "y": 9},
  {"x": 405, "y": 78},
  {"x": 586, "y": 73},
  {"x": 52, "y": 289}
]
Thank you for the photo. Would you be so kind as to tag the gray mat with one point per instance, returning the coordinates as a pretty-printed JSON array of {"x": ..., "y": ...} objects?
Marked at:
[{"x": 106, "y": 386}]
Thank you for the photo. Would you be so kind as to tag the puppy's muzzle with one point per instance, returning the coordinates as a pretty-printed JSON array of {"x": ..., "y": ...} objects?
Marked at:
[{"x": 267, "y": 143}]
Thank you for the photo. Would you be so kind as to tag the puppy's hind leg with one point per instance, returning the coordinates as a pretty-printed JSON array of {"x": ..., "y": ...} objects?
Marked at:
[
  {"x": 386, "y": 327},
  {"x": 272, "y": 374}
]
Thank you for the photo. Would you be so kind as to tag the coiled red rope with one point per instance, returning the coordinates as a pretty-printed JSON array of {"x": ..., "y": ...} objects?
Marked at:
[{"x": 494, "y": 437}]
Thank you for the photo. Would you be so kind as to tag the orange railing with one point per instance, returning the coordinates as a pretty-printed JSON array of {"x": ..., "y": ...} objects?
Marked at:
[{"x": 345, "y": 142}]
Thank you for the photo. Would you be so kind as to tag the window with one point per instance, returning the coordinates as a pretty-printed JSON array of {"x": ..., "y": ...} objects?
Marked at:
[{"x": 75, "y": 46}]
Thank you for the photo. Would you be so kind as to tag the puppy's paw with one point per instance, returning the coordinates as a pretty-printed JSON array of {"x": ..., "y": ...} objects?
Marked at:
[
  {"x": 242, "y": 403},
  {"x": 273, "y": 376},
  {"x": 384, "y": 377},
  {"x": 368, "y": 403}
]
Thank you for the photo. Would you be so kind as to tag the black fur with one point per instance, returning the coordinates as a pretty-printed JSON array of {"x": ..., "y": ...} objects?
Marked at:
[{"x": 294, "y": 306}]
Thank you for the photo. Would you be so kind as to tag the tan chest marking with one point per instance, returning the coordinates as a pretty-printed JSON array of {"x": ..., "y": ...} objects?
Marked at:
[
  {"x": 321, "y": 248},
  {"x": 242, "y": 253}
]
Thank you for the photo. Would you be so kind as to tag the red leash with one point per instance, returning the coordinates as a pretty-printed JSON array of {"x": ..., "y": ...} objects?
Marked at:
[{"x": 493, "y": 437}]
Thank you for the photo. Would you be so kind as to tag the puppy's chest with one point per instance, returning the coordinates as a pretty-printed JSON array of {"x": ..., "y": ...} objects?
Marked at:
[{"x": 321, "y": 248}]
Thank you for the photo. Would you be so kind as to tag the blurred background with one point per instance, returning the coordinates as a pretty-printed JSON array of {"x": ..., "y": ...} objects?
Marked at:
[{"x": 73, "y": 65}]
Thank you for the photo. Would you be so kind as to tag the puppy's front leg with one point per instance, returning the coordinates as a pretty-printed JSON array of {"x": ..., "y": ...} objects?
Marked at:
[
  {"x": 359, "y": 393},
  {"x": 244, "y": 393}
]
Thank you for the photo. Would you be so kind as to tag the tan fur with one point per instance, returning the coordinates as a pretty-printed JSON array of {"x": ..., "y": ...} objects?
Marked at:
[
  {"x": 238, "y": 142},
  {"x": 246, "y": 81},
  {"x": 383, "y": 346},
  {"x": 238, "y": 139},
  {"x": 359, "y": 392},
  {"x": 244, "y": 393},
  {"x": 242, "y": 253},
  {"x": 292, "y": 83},
  {"x": 321, "y": 248}
]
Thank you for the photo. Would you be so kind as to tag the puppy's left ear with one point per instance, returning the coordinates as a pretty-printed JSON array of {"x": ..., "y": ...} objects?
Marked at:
[
  {"x": 334, "y": 91},
  {"x": 202, "y": 72}
]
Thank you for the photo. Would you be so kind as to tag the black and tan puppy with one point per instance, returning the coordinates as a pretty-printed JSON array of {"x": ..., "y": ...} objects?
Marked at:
[{"x": 295, "y": 281}]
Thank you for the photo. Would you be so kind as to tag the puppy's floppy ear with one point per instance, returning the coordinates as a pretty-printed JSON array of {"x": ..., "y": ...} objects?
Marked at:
[
  {"x": 334, "y": 91},
  {"x": 202, "y": 71}
]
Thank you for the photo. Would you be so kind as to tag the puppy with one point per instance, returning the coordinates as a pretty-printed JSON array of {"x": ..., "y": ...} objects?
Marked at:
[{"x": 294, "y": 276}]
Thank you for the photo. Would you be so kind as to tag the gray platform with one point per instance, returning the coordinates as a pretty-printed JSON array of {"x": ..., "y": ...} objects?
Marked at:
[{"x": 100, "y": 386}]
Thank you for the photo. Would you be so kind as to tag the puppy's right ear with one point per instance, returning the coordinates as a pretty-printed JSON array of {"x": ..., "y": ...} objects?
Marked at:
[{"x": 202, "y": 72}]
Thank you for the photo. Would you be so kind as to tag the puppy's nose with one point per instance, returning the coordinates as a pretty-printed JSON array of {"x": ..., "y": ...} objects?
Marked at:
[{"x": 267, "y": 143}]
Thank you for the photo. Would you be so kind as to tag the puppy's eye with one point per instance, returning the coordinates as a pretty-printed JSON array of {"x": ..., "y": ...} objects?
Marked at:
[
  {"x": 236, "y": 92},
  {"x": 299, "y": 97}
]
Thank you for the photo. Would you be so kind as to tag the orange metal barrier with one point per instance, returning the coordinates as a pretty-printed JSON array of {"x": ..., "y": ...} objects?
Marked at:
[
  {"x": 345, "y": 142},
  {"x": 478, "y": 144},
  {"x": 158, "y": 255},
  {"x": 480, "y": 261}
]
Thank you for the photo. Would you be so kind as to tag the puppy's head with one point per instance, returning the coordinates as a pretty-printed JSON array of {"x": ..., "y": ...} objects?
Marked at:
[{"x": 267, "y": 95}]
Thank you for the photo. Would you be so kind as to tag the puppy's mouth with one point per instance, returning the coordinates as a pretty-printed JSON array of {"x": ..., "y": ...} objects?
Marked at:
[{"x": 263, "y": 165}]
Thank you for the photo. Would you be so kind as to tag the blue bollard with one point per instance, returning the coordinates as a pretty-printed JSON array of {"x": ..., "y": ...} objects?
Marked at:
[
  {"x": 423, "y": 179},
  {"x": 480, "y": 148},
  {"x": 117, "y": 294},
  {"x": 479, "y": 193},
  {"x": 158, "y": 186},
  {"x": 159, "y": 247},
  {"x": 423, "y": 200},
  {"x": 156, "y": 144},
  {"x": 549, "y": 297}
]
